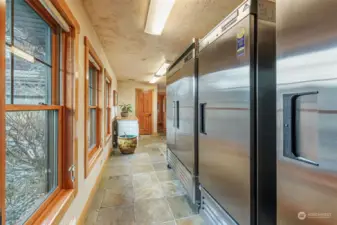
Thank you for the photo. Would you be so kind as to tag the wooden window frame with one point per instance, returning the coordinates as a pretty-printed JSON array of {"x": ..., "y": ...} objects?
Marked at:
[
  {"x": 91, "y": 157},
  {"x": 54, "y": 207},
  {"x": 108, "y": 107}
]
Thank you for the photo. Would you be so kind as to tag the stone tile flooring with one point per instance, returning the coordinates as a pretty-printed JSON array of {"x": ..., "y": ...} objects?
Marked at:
[{"x": 139, "y": 189}]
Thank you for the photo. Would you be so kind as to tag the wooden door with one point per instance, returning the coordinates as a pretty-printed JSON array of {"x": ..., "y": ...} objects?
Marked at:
[{"x": 144, "y": 111}]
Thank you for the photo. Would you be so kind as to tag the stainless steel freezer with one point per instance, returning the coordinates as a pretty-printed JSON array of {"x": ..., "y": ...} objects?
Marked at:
[
  {"x": 307, "y": 112},
  {"x": 237, "y": 117},
  {"x": 182, "y": 120}
]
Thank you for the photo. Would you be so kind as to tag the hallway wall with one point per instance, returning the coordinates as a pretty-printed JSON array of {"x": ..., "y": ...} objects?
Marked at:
[
  {"x": 127, "y": 95},
  {"x": 86, "y": 185}
]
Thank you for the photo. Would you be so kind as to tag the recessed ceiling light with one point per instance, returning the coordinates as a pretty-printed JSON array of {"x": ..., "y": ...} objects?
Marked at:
[{"x": 159, "y": 10}]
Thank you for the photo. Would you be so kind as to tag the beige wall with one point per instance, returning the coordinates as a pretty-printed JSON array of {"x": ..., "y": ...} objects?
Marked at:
[
  {"x": 127, "y": 95},
  {"x": 86, "y": 185}
]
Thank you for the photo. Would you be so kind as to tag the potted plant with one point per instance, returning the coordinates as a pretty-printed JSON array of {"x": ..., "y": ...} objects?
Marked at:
[{"x": 125, "y": 109}]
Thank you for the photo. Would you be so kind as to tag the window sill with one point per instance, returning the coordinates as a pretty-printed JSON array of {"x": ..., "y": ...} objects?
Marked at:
[
  {"x": 93, "y": 157},
  {"x": 55, "y": 211},
  {"x": 107, "y": 138}
]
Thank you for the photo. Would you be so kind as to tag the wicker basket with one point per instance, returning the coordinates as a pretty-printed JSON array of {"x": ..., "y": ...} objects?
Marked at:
[{"x": 127, "y": 144}]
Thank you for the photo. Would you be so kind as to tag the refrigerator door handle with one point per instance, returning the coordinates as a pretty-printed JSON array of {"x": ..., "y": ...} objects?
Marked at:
[
  {"x": 289, "y": 127},
  {"x": 177, "y": 105},
  {"x": 174, "y": 114},
  {"x": 202, "y": 118}
]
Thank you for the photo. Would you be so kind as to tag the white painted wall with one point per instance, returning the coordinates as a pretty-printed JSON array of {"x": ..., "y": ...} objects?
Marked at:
[
  {"x": 127, "y": 95},
  {"x": 86, "y": 185}
]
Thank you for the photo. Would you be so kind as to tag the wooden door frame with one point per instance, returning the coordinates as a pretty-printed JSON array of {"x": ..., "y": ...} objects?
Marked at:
[
  {"x": 160, "y": 95},
  {"x": 136, "y": 107}
]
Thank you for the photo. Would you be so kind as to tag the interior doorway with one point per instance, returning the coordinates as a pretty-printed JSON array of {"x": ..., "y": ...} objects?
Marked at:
[
  {"x": 144, "y": 110},
  {"x": 161, "y": 106}
]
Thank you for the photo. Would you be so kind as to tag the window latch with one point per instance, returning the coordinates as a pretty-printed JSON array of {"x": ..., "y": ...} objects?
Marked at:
[
  {"x": 72, "y": 173},
  {"x": 41, "y": 103}
]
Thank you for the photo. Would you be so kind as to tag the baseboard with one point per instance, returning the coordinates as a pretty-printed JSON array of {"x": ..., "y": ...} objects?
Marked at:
[{"x": 82, "y": 217}]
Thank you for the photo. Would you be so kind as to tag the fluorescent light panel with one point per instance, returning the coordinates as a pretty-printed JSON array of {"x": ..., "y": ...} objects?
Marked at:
[
  {"x": 154, "y": 79},
  {"x": 163, "y": 69},
  {"x": 159, "y": 11}
]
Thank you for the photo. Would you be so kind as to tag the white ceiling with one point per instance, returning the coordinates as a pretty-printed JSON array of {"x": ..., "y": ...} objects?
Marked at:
[{"x": 136, "y": 55}]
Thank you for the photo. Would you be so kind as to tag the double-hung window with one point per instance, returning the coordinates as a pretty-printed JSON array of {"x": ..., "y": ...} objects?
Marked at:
[
  {"x": 93, "y": 107},
  {"x": 37, "y": 49},
  {"x": 93, "y": 91},
  {"x": 107, "y": 103}
]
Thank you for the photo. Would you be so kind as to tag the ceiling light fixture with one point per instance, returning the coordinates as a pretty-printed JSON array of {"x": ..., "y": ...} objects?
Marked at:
[
  {"x": 158, "y": 13},
  {"x": 163, "y": 69},
  {"x": 154, "y": 79}
]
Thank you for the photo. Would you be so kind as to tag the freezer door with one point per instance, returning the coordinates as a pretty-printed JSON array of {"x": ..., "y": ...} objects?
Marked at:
[
  {"x": 307, "y": 112},
  {"x": 224, "y": 104},
  {"x": 170, "y": 116},
  {"x": 185, "y": 120}
]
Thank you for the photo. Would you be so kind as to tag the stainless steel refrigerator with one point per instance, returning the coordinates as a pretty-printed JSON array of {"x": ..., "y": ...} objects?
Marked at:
[
  {"x": 306, "y": 112},
  {"x": 182, "y": 154},
  {"x": 237, "y": 119}
]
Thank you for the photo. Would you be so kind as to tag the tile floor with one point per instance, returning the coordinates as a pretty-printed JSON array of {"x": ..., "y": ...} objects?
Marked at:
[{"x": 139, "y": 189}]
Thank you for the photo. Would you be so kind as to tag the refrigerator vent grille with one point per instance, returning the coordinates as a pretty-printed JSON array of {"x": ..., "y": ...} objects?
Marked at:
[
  {"x": 185, "y": 177},
  {"x": 212, "y": 212}
]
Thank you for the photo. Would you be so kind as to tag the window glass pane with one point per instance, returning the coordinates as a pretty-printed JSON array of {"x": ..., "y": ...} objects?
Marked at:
[
  {"x": 8, "y": 76},
  {"x": 8, "y": 21},
  {"x": 92, "y": 129},
  {"x": 31, "y": 33},
  {"x": 32, "y": 82},
  {"x": 92, "y": 86},
  {"x": 31, "y": 162}
]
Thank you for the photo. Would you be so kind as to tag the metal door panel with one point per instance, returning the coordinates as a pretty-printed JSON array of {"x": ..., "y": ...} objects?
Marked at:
[
  {"x": 185, "y": 133},
  {"x": 307, "y": 53},
  {"x": 170, "y": 116},
  {"x": 224, "y": 151}
]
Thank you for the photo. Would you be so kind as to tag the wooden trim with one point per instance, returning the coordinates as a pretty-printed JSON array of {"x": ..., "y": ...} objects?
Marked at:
[
  {"x": 115, "y": 103},
  {"x": 93, "y": 157},
  {"x": 36, "y": 215},
  {"x": 66, "y": 13},
  {"x": 55, "y": 211},
  {"x": 2, "y": 108},
  {"x": 107, "y": 139},
  {"x": 93, "y": 191},
  {"x": 32, "y": 107},
  {"x": 92, "y": 52},
  {"x": 90, "y": 158},
  {"x": 55, "y": 69}
]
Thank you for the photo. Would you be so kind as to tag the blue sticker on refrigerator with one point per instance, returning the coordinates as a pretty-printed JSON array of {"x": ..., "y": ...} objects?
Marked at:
[{"x": 240, "y": 43}]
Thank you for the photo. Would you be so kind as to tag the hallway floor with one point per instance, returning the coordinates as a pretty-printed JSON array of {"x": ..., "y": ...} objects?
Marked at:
[{"x": 139, "y": 189}]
